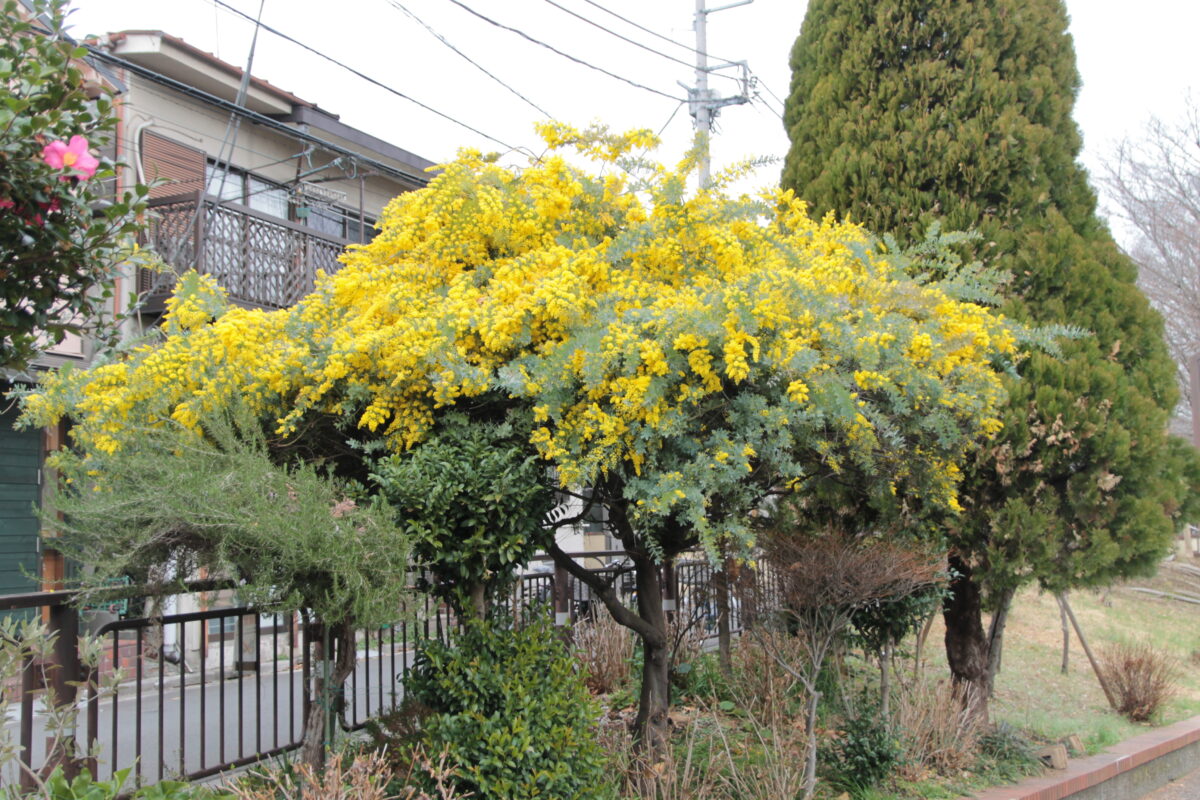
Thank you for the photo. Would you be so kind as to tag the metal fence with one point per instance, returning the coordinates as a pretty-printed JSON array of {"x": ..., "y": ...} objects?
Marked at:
[{"x": 209, "y": 690}]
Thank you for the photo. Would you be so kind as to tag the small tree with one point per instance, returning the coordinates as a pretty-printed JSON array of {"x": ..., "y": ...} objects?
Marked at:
[
  {"x": 62, "y": 233},
  {"x": 823, "y": 581},
  {"x": 882, "y": 624},
  {"x": 293, "y": 539}
]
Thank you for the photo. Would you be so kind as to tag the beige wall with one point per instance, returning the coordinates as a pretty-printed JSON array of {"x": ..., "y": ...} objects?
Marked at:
[{"x": 270, "y": 154}]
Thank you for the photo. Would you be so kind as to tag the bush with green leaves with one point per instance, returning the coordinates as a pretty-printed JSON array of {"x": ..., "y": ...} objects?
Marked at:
[
  {"x": 472, "y": 499},
  {"x": 83, "y": 786},
  {"x": 865, "y": 753},
  {"x": 511, "y": 709},
  {"x": 62, "y": 232}
]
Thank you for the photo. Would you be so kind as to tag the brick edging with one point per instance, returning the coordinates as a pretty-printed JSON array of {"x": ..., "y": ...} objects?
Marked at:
[{"x": 1084, "y": 773}]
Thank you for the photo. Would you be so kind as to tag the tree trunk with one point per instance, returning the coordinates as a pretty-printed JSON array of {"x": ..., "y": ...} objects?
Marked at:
[
  {"x": 724, "y": 636},
  {"x": 341, "y": 639},
  {"x": 810, "y": 736},
  {"x": 919, "y": 650},
  {"x": 966, "y": 641},
  {"x": 996, "y": 638},
  {"x": 651, "y": 725},
  {"x": 477, "y": 595}
]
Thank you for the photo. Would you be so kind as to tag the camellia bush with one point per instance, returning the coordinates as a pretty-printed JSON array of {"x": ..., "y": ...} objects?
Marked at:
[
  {"x": 684, "y": 355},
  {"x": 62, "y": 232}
]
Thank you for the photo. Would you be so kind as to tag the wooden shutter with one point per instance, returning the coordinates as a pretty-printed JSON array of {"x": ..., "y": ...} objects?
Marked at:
[
  {"x": 179, "y": 168},
  {"x": 20, "y": 465}
]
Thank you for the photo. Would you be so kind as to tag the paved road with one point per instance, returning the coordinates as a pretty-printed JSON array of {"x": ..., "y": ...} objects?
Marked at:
[
  {"x": 277, "y": 692},
  {"x": 1186, "y": 788}
]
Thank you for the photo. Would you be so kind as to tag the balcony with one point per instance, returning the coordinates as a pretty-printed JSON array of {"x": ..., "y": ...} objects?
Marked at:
[{"x": 261, "y": 261}]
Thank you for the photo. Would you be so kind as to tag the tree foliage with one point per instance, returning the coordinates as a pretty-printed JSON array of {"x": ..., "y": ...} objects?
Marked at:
[
  {"x": 292, "y": 537},
  {"x": 695, "y": 344},
  {"x": 906, "y": 112},
  {"x": 62, "y": 233},
  {"x": 683, "y": 355},
  {"x": 472, "y": 498}
]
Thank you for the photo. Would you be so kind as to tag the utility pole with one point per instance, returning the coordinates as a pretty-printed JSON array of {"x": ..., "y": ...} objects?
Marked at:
[{"x": 703, "y": 104}]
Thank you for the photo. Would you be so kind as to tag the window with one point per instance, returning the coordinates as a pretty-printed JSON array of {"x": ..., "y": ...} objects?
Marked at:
[
  {"x": 336, "y": 221},
  {"x": 238, "y": 186}
]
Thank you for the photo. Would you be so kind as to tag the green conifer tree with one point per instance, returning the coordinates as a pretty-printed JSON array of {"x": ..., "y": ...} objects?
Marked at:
[{"x": 903, "y": 113}]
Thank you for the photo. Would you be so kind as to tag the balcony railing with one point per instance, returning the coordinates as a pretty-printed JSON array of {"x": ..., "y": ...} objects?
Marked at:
[{"x": 262, "y": 261}]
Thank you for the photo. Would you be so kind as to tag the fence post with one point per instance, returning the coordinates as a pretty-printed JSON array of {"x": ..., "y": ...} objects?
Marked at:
[
  {"x": 670, "y": 589},
  {"x": 63, "y": 681},
  {"x": 562, "y": 600},
  {"x": 28, "y": 686}
]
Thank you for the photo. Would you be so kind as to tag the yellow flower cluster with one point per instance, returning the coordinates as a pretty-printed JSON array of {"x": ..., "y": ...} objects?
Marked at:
[{"x": 625, "y": 312}]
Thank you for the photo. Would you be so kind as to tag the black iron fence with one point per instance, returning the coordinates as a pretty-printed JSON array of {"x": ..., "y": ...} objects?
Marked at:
[{"x": 204, "y": 691}]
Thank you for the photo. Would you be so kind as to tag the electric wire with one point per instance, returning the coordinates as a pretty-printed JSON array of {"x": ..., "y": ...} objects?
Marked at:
[
  {"x": 400, "y": 7},
  {"x": 678, "y": 43},
  {"x": 633, "y": 42},
  {"x": 368, "y": 78},
  {"x": 768, "y": 89},
  {"x": 654, "y": 33},
  {"x": 555, "y": 50},
  {"x": 668, "y": 122},
  {"x": 762, "y": 102}
]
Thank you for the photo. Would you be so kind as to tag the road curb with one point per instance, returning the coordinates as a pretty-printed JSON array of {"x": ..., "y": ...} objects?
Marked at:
[{"x": 1126, "y": 771}]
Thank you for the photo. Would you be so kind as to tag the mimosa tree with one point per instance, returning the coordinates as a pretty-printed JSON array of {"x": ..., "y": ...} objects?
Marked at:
[{"x": 682, "y": 354}]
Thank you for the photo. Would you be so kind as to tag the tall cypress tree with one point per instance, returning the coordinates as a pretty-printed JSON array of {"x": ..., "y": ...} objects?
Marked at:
[{"x": 903, "y": 113}]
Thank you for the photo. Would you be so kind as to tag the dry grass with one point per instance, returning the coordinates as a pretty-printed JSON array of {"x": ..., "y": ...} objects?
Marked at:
[
  {"x": 938, "y": 733},
  {"x": 365, "y": 776},
  {"x": 715, "y": 757},
  {"x": 604, "y": 648},
  {"x": 1142, "y": 677},
  {"x": 757, "y": 682}
]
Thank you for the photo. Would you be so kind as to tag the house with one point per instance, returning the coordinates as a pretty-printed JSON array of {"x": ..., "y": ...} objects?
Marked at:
[{"x": 250, "y": 183}]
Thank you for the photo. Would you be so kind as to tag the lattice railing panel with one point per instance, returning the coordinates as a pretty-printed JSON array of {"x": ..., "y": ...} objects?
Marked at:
[{"x": 257, "y": 260}]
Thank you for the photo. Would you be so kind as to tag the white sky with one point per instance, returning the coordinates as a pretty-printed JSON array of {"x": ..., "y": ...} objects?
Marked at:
[{"x": 1136, "y": 60}]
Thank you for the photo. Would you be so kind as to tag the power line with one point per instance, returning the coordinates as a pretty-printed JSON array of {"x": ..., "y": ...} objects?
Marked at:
[
  {"x": 654, "y": 33},
  {"x": 767, "y": 106},
  {"x": 469, "y": 60},
  {"x": 673, "y": 113},
  {"x": 611, "y": 32},
  {"x": 675, "y": 42},
  {"x": 768, "y": 88},
  {"x": 555, "y": 50},
  {"x": 366, "y": 77}
]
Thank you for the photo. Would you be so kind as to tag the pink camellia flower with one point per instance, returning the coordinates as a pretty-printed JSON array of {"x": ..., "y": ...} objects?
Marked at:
[{"x": 73, "y": 156}]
